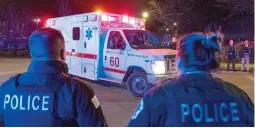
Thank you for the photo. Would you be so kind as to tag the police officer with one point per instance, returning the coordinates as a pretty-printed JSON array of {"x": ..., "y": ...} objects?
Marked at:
[
  {"x": 231, "y": 55},
  {"x": 194, "y": 98},
  {"x": 46, "y": 95},
  {"x": 245, "y": 54}
]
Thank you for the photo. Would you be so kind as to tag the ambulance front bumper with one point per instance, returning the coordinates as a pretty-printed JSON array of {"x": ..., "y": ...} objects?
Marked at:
[{"x": 157, "y": 79}]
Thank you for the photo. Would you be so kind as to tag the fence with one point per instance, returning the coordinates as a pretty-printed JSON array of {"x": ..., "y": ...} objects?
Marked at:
[{"x": 5, "y": 52}]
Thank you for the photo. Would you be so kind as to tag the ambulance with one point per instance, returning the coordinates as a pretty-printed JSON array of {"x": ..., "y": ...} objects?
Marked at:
[{"x": 115, "y": 48}]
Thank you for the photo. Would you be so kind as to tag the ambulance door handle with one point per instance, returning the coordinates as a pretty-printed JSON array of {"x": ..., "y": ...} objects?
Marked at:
[
  {"x": 104, "y": 57},
  {"x": 73, "y": 50}
]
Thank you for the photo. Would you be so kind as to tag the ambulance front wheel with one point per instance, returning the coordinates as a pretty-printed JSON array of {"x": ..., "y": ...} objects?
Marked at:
[{"x": 137, "y": 84}]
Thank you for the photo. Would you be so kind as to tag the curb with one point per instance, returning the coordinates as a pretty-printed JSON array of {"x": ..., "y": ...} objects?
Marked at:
[{"x": 236, "y": 72}]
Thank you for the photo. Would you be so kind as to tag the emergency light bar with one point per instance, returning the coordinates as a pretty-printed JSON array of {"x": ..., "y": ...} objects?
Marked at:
[
  {"x": 124, "y": 19},
  {"x": 109, "y": 18}
]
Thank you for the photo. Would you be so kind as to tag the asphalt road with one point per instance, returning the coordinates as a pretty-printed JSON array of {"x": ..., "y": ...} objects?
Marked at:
[{"x": 117, "y": 103}]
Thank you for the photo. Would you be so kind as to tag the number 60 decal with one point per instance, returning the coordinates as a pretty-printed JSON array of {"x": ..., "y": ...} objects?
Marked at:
[{"x": 115, "y": 61}]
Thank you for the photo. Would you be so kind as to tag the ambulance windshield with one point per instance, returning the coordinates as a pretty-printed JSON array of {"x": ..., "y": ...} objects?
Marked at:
[{"x": 140, "y": 39}]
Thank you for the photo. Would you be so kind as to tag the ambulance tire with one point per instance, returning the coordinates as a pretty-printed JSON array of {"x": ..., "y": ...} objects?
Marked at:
[{"x": 137, "y": 84}]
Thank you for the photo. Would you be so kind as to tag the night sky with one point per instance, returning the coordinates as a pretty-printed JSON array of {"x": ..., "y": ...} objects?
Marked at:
[
  {"x": 45, "y": 9},
  {"x": 49, "y": 7}
]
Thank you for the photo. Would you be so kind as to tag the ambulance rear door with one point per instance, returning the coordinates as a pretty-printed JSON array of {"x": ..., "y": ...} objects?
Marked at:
[
  {"x": 76, "y": 44},
  {"x": 89, "y": 50}
]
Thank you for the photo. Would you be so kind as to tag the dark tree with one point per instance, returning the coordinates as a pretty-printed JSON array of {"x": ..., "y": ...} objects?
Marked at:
[
  {"x": 14, "y": 18},
  {"x": 175, "y": 15}
]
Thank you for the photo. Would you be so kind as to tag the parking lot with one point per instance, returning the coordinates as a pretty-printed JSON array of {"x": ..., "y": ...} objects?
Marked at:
[{"x": 117, "y": 103}]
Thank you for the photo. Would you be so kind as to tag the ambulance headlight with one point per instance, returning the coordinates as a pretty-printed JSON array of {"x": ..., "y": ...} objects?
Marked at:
[{"x": 158, "y": 67}]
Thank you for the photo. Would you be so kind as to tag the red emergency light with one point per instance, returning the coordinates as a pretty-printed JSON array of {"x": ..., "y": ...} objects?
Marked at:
[
  {"x": 139, "y": 23},
  {"x": 47, "y": 24}
]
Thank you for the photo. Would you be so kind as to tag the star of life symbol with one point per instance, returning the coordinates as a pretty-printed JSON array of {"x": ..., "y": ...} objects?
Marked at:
[
  {"x": 88, "y": 33},
  {"x": 139, "y": 109}
]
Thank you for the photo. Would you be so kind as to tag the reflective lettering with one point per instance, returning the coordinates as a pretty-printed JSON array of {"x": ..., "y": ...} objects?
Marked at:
[
  {"x": 6, "y": 100},
  {"x": 207, "y": 118},
  {"x": 223, "y": 118},
  {"x": 33, "y": 103},
  {"x": 24, "y": 102},
  {"x": 234, "y": 112},
  {"x": 210, "y": 112},
  {"x": 197, "y": 119},
  {"x": 16, "y": 102},
  {"x": 28, "y": 102},
  {"x": 45, "y": 102},
  {"x": 215, "y": 112},
  {"x": 185, "y": 110},
  {"x": 20, "y": 102}
]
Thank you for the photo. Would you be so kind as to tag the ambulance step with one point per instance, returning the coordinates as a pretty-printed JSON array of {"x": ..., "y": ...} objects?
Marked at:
[{"x": 114, "y": 80}]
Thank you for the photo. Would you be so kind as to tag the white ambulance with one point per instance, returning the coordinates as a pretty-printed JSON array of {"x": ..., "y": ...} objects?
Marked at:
[{"x": 115, "y": 48}]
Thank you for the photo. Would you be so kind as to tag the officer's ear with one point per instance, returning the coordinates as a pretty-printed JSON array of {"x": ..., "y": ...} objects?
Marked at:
[
  {"x": 180, "y": 66},
  {"x": 62, "y": 55}
]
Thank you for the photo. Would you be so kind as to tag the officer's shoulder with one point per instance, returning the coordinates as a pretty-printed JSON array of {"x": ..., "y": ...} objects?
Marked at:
[
  {"x": 79, "y": 84},
  {"x": 164, "y": 87},
  {"x": 227, "y": 85},
  {"x": 231, "y": 88},
  {"x": 9, "y": 81},
  {"x": 171, "y": 84}
]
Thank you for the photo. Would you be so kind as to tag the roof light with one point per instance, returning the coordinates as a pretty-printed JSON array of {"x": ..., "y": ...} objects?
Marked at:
[
  {"x": 47, "y": 23},
  {"x": 94, "y": 18},
  {"x": 104, "y": 17},
  {"x": 53, "y": 22},
  {"x": 125, "y": 19},
  {"x": 85, "y": 18},
  {"x": 110, "y": 18},
  {"x": 142, "y": 23},
  {"x": 132, "y": 21}
]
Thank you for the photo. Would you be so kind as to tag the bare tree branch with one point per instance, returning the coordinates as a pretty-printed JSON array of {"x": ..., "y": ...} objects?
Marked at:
[
  {"x": 65, "y": 6},
  {"x": 170, "y": 11},
  {"x": 15, "y": 17},
  {"x": 235, "y": 6}
]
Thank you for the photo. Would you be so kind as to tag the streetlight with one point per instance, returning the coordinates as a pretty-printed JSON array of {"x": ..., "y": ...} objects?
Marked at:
[
  {"x": 145, "y": 15},
  {"x": 175, "y": 23},
  {"x": 37, "y": 20}
]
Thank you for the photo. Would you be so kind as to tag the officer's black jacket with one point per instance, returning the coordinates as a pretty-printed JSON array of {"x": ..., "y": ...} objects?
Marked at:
[
  {"x": 245, "y": 50},
  {"x": 231, "y": 51},
  {"x": 180, "y": 101},
  {"x": 75, "y": 103}
]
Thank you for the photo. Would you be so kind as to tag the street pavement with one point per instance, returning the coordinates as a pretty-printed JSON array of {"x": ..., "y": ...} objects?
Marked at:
[{"x": 117, "y": 103}]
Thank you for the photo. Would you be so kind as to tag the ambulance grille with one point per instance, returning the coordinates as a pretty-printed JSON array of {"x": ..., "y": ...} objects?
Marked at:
[{"x": 170, "y": 64}]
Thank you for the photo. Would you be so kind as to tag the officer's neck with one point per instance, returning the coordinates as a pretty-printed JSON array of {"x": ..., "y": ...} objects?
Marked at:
[{"x": 191, "y": 71}]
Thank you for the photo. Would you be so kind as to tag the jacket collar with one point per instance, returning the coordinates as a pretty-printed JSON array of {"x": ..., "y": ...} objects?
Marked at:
[
  {"x": 52, "y": 66},
  {"x": 200, "y": 80}
]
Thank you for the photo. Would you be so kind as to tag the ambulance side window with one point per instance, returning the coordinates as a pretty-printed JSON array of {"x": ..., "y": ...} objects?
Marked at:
[
  {"x": 116, "y": 41},
  {"x": 76, "y": 33}
]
